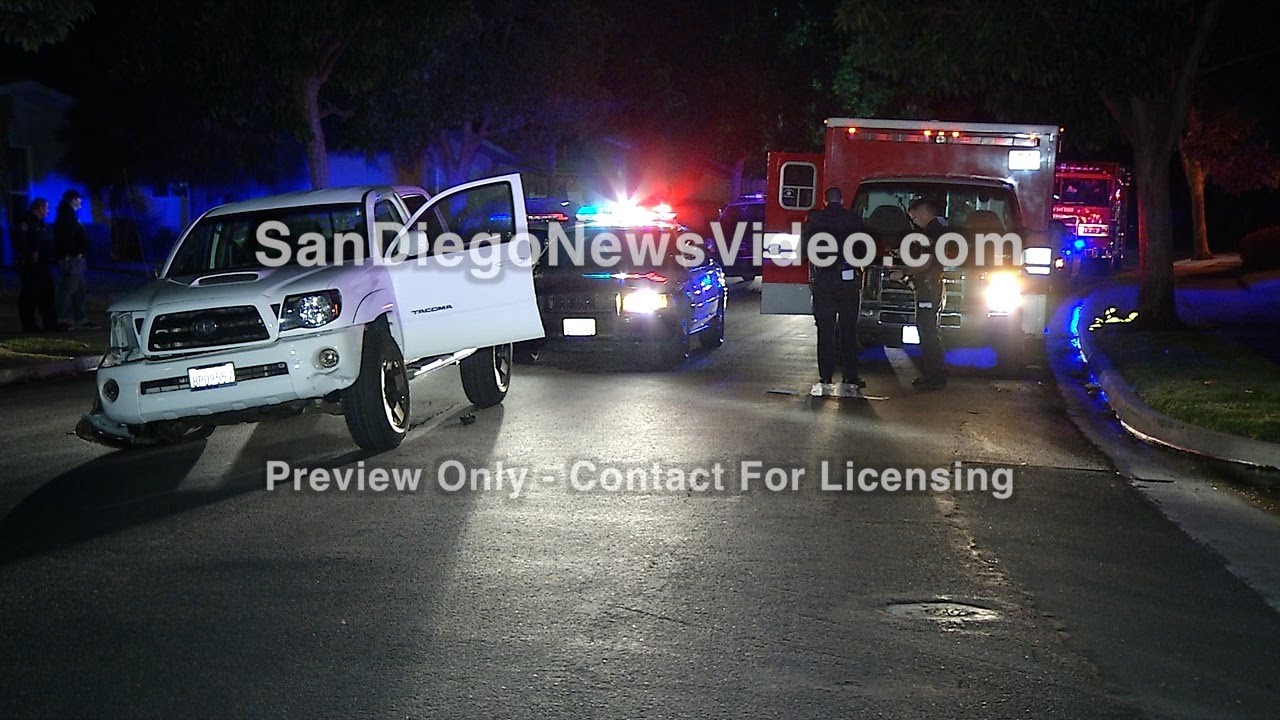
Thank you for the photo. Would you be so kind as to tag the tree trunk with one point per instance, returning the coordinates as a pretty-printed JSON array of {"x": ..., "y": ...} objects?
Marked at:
[
  {"x": 735, "y": 178},
  {"x": 1156, "y": 307},
  {"x": 410, "y": 166},
  {"x": 460, "y": 156},
  {"x": 317, "y": 152},
  {"x": 1196, "y": 175}
]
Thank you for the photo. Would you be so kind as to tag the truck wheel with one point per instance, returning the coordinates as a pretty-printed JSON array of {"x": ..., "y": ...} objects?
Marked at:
[
  {"x": 172, "y": 432},
  {"x": 713, "y": 336},
  {"x": 376, "y": 406},
  {"x": 486, "y": 375}
]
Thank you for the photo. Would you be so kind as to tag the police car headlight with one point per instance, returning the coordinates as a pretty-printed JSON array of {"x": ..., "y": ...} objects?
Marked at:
[
  {"x": 124, "y": 337},
  {"x": 312, "y": 310},
  {"x": 1004, "y": 293},
  {"x": 645, "y": 302}
]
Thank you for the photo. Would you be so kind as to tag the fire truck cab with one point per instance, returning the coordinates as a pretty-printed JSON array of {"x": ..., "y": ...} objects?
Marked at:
[
  {"x": 1091, "y": 200},
  {"x": 992, "y": 182}
]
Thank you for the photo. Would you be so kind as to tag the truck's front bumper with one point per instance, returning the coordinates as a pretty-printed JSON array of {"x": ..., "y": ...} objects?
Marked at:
[{"x": 286, "y": 370}]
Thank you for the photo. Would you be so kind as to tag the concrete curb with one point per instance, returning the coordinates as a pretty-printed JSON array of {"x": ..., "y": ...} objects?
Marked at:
[
  {"x": 1152, "y": 426},
  {"x": 73, "y": 366}
]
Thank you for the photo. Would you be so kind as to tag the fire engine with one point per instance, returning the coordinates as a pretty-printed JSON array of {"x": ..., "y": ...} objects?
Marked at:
[
  {"x": 991, "y": 181},
  {"x": 1092, "y": 200}
]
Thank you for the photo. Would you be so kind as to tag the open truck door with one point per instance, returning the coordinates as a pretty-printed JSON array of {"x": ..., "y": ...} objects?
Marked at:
[{"x": 792, "y": 189}]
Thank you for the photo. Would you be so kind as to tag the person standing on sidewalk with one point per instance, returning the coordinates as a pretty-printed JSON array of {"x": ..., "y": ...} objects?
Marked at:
[
  {"x": 72, "y": 242},
  {"x": 33, "y": 242},
  {"x": 837, "y": 293}
]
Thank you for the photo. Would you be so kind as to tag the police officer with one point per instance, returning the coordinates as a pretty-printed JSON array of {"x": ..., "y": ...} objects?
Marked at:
[
  {"x": 33, "y": 242},
  {"x": 836, "y": 288},
  {"x": 927, "y": 280}
]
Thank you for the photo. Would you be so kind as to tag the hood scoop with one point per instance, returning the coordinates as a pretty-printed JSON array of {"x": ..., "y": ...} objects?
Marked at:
[{"x": 225, "y": 279}]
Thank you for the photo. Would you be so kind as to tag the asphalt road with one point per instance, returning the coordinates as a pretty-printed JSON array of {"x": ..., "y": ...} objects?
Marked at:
[{"x": 172, "y": 583}]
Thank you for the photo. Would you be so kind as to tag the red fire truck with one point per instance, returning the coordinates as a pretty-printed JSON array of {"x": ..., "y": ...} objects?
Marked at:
[
  {"x": 1092, "y": 199},
  {"x": 989, "y": 179}
]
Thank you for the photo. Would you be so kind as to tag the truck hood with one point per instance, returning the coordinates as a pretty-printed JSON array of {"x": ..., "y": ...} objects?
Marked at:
[{"x": 230, "y": 287}]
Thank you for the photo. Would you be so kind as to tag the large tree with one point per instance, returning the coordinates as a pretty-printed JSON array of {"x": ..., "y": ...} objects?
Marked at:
[
  {"x": 511, "y": 71},
  {"x": 1138, "y": 60},
  {"x": 33, "y": 24},
  {"x": 280, "y": 68},
  {"x": 1226, "y": 145}
]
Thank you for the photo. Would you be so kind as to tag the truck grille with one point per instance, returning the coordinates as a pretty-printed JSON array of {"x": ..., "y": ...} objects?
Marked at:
[{"x": 207, "y": 328}]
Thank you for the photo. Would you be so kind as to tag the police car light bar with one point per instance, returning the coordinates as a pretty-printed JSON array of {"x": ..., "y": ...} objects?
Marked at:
[{"x": 624, "y": 214}]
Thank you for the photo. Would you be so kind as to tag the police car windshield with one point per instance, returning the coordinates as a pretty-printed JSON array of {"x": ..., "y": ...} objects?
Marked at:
[
  {"x": 232, "y": 241},
  {"x": 641, "y": 248}
]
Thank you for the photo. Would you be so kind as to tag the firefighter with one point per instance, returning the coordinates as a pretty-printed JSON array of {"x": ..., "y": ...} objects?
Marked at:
[
  {"x": 927, "y": 281},
  {"x": 836, "y": 288}
]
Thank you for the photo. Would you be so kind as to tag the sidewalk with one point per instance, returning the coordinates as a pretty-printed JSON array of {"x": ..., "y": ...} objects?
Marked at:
[
  {"x": 104, "y": 286},
  {"x": 1213, "y": 301}
]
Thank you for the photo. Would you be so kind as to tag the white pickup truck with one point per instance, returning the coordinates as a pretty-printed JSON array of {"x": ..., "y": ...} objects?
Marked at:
[{"x": 227, "y": 333}]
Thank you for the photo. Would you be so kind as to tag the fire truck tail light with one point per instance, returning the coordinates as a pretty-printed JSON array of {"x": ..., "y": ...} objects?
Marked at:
[{"x": 1024, "y": 159}]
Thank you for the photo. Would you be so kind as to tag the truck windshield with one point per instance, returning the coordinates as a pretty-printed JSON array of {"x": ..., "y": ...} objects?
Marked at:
[
  {"x": 973, "y": 208},
  {"x": 317, "y": 234},
  {"x": 1082, "y": 191}
]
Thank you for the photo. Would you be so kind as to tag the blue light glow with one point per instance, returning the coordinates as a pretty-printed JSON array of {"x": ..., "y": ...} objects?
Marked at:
[{"x": 1079, "y": 244}]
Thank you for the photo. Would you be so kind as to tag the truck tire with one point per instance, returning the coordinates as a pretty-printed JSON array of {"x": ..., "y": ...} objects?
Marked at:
[
  {"x": 486, "y": 375},
  {"x": 376, "y": 406}
]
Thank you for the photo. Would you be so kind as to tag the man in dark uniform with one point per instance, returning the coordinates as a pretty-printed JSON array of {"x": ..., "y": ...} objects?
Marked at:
[
  {"x": 836, "y": 289},
  {"x": 927, "y": 280},
  {"x": 33, "y": 242}
]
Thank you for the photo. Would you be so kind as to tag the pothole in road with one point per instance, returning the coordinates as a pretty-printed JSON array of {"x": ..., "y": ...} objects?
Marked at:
[{"x": 948, "y": 613}]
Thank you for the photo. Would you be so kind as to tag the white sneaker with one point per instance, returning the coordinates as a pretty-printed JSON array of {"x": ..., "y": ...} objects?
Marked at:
[{"x": 816, "y": 390}]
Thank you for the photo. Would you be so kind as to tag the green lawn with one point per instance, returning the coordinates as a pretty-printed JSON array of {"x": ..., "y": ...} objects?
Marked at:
[
  {"x": 1198, "y": 378},
  {"x": 36, "y": 350}
]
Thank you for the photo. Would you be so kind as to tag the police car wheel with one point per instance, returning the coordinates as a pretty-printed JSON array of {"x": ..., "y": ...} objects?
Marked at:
[
  {"x": 676, "y": 348},
  {"x": 713, "y": 336}
]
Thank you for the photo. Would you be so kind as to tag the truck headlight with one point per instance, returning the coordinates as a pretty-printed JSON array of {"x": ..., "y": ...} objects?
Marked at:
[
  {"x": 311, "y": 310},
  {"x": 1004, "y": 293},
  {"x": 124, "y": 337},
  {"x": 645, "y": 302}
]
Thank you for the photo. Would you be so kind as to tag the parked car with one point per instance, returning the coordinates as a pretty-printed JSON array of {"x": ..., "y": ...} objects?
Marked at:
[
  {"x": 653, "y": 307},
  {"x": 227, "y": 334},
  {"x": 742, "y": 213}
]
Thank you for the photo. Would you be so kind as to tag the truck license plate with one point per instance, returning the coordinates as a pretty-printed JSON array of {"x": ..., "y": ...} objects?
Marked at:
[
  {"x": 211, "y": 377},
  {"x": 910, "y": 335},
  {"x": 579, "y": 327}
]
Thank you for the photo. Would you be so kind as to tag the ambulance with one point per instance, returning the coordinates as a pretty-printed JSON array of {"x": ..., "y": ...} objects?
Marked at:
[{"x": 994, "y": 183}]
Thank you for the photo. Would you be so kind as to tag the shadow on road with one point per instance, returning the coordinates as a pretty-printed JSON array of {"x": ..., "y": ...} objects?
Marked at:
[{"x": 133, "y": 487}]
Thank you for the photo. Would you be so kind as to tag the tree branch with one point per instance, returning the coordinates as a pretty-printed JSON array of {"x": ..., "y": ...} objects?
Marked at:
[
  {"x": 1238, "y": 61},
  {"x": 1180, "y": 101},
  {"x": 329, "y": 110}
]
